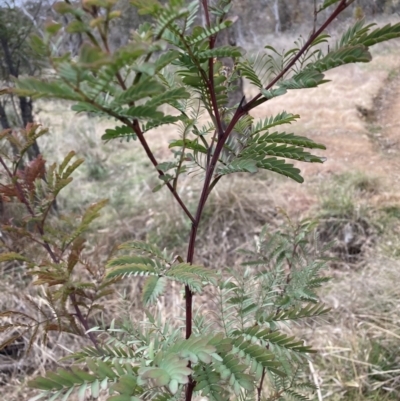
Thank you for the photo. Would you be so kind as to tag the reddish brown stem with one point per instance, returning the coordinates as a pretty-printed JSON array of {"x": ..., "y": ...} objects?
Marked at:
[
  {"x": 240, "y": 112},
  {"x": 259, "y": 388},
  {"x": 83, "y": 320},
  {"x": 136, "y": 127}
]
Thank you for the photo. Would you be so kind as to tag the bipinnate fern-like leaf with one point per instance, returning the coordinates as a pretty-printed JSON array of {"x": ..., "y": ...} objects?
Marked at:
[
  {"x": 159, "y": 266},
  {"x": 154, "y": 286},
  {"x": 208, "y": 382},
  {"x": 91, "y": 213},
  {"x": 327, "y": 3},
  {"x": 309, "y": 78},
  {"x": 378, "y": 35},
  {"x": 170, "y": 367},
  {"x": 107, "y": 352},
  {"x": 205, "y": 274},
  {"x": 241, "y": 165},
  {"x": 119, "y": 132},
  {"x": 260, "y": 148},
  {"x": 281, "y": 167},
  {"x": 201, "y": 34},
  {"x": 269, "y": 338},
  {"x": 349, "y": 37},
  {"x": 36, "y": 88},
  {"x": 233, "y": 371},
  {"x": 127, "y": 265},
  {"x": 63, "y": 382},
  {"x": 218, "y": 52},
  {"x": 166, "y": 18},
  {"x": 341, "y": 56},
  {"x": 146, "y": 248},
  {"x": 294, "y": 313},
  {"x": 147, "y": 87},
  {"x": 273, "y": 121},
  {"x": 197, "y": 348},
  {"x": 261, "y": 355}
]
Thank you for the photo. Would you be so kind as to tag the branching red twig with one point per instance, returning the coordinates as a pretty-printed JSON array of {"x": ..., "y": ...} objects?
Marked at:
[
  {"x": 340, "y": 8},
  {"x": 78, "y": 313}
]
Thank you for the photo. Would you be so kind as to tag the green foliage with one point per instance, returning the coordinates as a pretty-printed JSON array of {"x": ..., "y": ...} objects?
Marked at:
[
  {"x": 242, "y": 343},
  {"x": 172, "y": 72},
  {"x": 160, "y": 267}
]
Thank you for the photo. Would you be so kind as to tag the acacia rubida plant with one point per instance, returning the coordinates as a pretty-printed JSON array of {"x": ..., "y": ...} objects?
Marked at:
[{"x": 238, "y": 351}]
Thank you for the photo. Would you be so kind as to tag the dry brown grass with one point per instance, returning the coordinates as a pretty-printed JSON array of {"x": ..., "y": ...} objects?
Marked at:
[{"x": 364, "y": 296}]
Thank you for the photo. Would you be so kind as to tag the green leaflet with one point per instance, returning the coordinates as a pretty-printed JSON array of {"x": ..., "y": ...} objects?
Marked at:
[
  {"x": 284, "y": 138},
  {"x": 310, "y": 310},
  {"x": 145, "y": 248},
  {"x": 133, "y": 269},
  {"x": 195, "y": 349},
  {"x": 168, "y": 97},
  {"x": 252, "y": 70},
  {"x": 166, "y": 59},
  {"x": 305, "y": 79},
  {"x": 241, "y": 165},
  {"x": 281, "y": 167},
  {"x": 259, "y": 150},
  {"x": 127, "y": 386},
  {"x": 205, "y": 274},
  {"x": 203, "y": 33},
  {"x": 143, "y": 112},
  {"x": 224, "y": 51},
  {"x": 260, "y": 354},
  {"x": 119, "y": 132},
  {"x": 154, "y": 123},
  {"x": 232, "y": 370},
  {"x": 267, "y": 337},
  {"x": 352, "y": 34},
  {"x": 168, "y": 369},
  {"x": 208, "y": 382},
  {"x": 378, "y": 35},
  {"x": 188, "y": 144},
  {"x": 145, "y": 88},
  {"x": 328, "y": 3},
  {"x": 166, "y": 18},
  {"x": 92, "y": 57},
  {"x": 346, "y": 55},
  {"x": 279, "y": 119},
  {"x": 153, "y": 288},
  {"x": 51, "y": 89}
]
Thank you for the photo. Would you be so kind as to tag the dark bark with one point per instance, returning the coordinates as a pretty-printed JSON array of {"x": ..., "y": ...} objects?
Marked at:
[
  {"x": 25, "y": 104},
  {"x": 26, "y": 108},
  {"x": 3, "y": 118}
]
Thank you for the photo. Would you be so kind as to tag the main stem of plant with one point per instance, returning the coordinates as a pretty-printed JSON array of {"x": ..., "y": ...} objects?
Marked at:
[{"x": 222, "y": 138}]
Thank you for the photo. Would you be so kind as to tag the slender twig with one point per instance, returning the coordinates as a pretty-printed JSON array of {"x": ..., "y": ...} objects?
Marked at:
[
  {"x": 136, "y": 128},
  {"x": 315, "y": 16},
  {"x": 259, "y": 388},
  {"x": 83, "y": 320},
  {"x": 210, "y": 80}
]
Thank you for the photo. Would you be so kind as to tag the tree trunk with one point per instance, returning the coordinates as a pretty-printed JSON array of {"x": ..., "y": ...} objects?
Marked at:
[
  {"x": 25, "y": 104},
  {"x": 3, "y": 118},
  {"x": 227, "y": 37}
]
